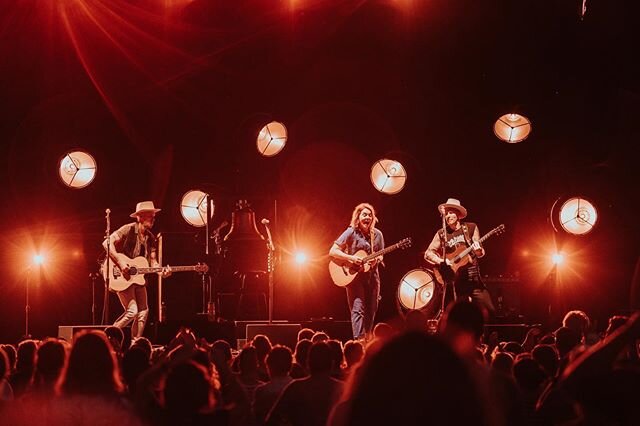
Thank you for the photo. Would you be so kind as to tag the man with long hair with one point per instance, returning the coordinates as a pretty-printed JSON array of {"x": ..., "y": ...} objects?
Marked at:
[{"x": 364, "y": 292}]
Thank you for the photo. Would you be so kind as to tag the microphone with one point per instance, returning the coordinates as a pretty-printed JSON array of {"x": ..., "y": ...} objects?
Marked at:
[
  {"x": 265, "y": 222},
  {"x": 107, "y": 211}
]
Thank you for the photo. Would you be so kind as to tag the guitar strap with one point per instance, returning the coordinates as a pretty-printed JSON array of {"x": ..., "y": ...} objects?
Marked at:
[{"x": 467, "y": 238}]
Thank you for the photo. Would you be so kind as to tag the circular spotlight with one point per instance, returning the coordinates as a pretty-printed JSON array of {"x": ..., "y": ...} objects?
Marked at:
[
  {"x": 557, "y": 258},
  {"x": 272, "y": 139},
  {"x": 512, "y": 128},
  {"x": 194, "y": 208},
  {"x": 578, "y": 216},
  {"x": 77, "y": 169},
  {"x": 38, "y": 259},
  {"x": 388, "y": 176},
  {"x": 301, "y": 258},
  {"x": 416, "y": 289}
]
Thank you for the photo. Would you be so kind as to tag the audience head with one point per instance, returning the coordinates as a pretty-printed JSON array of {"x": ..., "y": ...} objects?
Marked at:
[
  {"x": 305, "y": 333},
  {"x": 464, "y": 316},
  {"x": 529, "y": 374},
  {"x": 353, "y": 352},
  {"x": 512, "y": 347},
  {"x": 319, "y": 336},
  {"x": 383, "y": 331},
  {"x": 134, "y": 363},
  {"x": 92, "y": 368},
  {"x": 503, "y": 362},
  {"x": 11, "y": 353},
  {"x": 301, "y": 353},
  {"x": 320, "y": 358},
  {"x": 27, "y": 355},
  {"x": 577, "y": 321},
  {"x": 144, "y": 344},
  {"x": 188, "y": 390},
  {"x": 566, "y": 339},
  {"x": 221, "y": 350},
  {"x": 385, "y": 391},
  {"x": 547, "y": 357},
  {"x": 51, "y": 358},
  {"x": 248, "y": 360},
  {"x": 279, "y": 361},
  {"x": 337, "y": 353},
  {"x": 4, "y": 364},
  {"x": 116, "y": 337},
  {"x": 262, "y": 345}
]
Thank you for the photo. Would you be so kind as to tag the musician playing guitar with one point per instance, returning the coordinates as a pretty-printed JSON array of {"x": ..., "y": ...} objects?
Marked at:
[
  {"x": 364, "y": 292},
  {"x": 455, "y": 237},
  {"x": 133, "y": 240}
]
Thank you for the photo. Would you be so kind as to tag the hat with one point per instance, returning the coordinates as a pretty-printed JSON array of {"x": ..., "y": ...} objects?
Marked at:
[
  {"x": 144, "y": 207},
  {"x": 454, "y": 204}
]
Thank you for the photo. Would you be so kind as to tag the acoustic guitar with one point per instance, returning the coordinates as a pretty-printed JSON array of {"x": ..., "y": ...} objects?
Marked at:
[
  {"x": 461, "y": 256},
  {"x": 344, "y": 272},
  {"x": 137, "y": 268}
]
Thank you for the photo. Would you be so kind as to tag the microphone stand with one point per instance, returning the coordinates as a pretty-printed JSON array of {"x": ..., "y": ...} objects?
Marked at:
[
  {"x": 442, "y": 274},
  {"x": 107, "y": 273},
  {"x": 93, "y": 277},
  {"x": 270, "y": 266}
]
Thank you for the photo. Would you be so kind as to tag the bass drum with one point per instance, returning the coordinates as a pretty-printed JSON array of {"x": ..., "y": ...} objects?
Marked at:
[{"x": 419, "y": 290}]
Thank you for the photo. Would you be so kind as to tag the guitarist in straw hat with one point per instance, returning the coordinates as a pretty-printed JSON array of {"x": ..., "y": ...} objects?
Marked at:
[
  {"x": 135, "y": 239},
  {"x": 364, "y": 292},
  {"x": 456, "y": 235}
]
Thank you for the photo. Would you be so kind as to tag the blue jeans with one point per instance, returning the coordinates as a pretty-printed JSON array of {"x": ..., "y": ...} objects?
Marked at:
[{"x": 363, "y": 295}]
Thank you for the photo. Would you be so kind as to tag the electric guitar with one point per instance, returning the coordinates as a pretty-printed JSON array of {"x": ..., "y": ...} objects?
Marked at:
[
  {"x": 343, "y": 272},
  {"x": 137, "y": 268},
  {"x": 461, "y": 256}
]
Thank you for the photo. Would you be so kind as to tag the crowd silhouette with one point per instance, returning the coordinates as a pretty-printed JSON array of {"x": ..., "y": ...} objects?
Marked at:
[{"x": 405, "y": 374}]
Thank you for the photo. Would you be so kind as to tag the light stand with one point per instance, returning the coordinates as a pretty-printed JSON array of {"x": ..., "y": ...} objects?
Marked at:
[
  {"x": 270, "y": 266},
  {"x": 27, "y": 308}
]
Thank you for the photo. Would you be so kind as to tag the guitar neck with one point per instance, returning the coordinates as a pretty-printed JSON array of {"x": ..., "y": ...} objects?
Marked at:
[
  {"x": 381, "y": 252},
  {"x": 159, "y": 269},
  {"x": 466, "y": 251}
]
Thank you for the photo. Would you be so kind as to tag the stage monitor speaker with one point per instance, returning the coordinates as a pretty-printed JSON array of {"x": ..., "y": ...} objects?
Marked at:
[
  {"x": 283, "y": 334},
  {"x": 67, "y": 332}
]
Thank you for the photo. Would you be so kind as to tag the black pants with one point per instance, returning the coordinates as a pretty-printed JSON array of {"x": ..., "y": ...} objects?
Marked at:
[{"x": 469, "y": 285}]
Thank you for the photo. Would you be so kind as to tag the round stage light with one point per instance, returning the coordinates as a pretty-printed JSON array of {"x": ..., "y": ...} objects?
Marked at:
[
  {"x": 301, "y": 258},
  {"x": 512, "y": 128},
  {"x": 77, "y": 169},
  {"x": 557, "y": 258},
  {"x": 578, "y": 216},
  {"x": 416, "y": 289},
  {"x": 272, "y": 139},
  {"x": 194, "y": 208},
  {"x": 388, "y": 176},
  {"x": 38, "y": 259}
]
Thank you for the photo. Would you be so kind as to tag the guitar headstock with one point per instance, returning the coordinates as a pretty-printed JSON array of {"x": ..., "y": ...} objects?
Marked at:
[
  {"x": 202, "y": 268},
  {"x": 404, "y": 243},
  {"x": 499, "y": 229}
]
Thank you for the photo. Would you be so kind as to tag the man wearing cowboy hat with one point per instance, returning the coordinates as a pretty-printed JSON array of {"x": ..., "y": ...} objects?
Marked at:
[
  {"x": 135, "y": 239},
  {"x": 456, "y": 235}
]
